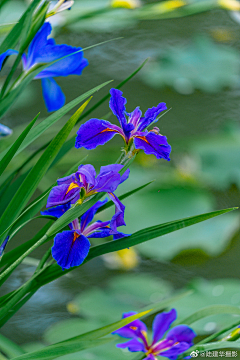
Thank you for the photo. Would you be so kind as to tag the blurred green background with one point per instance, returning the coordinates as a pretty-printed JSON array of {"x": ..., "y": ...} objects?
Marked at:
[{"x": 194, "y": 67}]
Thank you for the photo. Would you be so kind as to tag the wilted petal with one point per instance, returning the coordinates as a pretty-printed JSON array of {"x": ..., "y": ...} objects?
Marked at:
[
  {"x": 133, "y": 345},
  {"x": 57, "y": 211},
  {"x": 153, "y": 144},
  {"x": 96, "y": 132},
  {"x": 70, "y": 249},
  {"x": 61, "y": 195},
  {"x": 150, "y": 116},
  {"x": 162, "y": 323},
  {"x": 53, "y": 96},
  {"x": 4, "y": 55},
  {"x": 88, "y": 216},
  {"x": 182, "y": 333}
]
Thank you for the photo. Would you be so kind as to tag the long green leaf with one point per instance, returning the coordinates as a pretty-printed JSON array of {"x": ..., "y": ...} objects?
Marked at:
[
  {"x": 30, "y": 184},
  {"x": 15, "y": 34},
  {"x": 54, "y": 271},
  {"x": 53, "y": 118},
  {"x": 13, "y": 149},
  {"x": 208, "y": 311},
  {"x": 55, "y": 351},
  {"x": 26, "y": 77},
  {"x": 151, "y": 233},
  {"x": 9, "y": 348}
]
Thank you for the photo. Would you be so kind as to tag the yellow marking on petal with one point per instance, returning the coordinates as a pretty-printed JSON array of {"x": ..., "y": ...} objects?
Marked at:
[
  {"x": 107, "y": 129},
  {"x": 232, "y": 5},
  {"x": 143, "y": 138},
  {"x": 127, "y": 4},
  {"x": 71, "y": 186},
  {"x": 76, "y": 235}
]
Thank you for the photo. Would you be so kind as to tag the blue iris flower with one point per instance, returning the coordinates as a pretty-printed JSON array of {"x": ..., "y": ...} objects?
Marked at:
[
  {"x": 133, "y": 128},
  {"x": 71, "y": 247},
  {"x": 177, "y": 341},
  {"x": 43, "y": 50}
]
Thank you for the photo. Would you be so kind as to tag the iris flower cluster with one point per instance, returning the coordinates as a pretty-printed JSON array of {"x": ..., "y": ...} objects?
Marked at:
[
  {"x": 44, "y": 50},
  {"x": 177, "y": 341},
  {"x": 134, "y": 129},
  {"x": 72, "y": 246}
]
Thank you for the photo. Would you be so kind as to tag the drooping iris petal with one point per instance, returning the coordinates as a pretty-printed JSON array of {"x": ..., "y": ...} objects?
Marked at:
[
  {"x": 153, "y": 144},
  {"x": 61, "y": 195},
  {"x": 4, "y": 55},
  {"x": 89, "y": 174},
  {"x": 133, "y": 345},
  {"x": 96, "y": 132},
  {"x": 131, "y": 330},
  {"x": 175, "y": 350},
  {"x": 118, "y": 218},
  {"x": 88, "y": 216},
  {"x": 161, "y": 324},
  {"x": 150, "y": 116},
  {"x": 57, "y": 211},
  {"x": 181, "y": 333},
  {"x": 4, "y": 131},
  {"x": 70, "y": 248},
  {"x": 66, "y": 180},
  {"x": 53, "y": 96}
]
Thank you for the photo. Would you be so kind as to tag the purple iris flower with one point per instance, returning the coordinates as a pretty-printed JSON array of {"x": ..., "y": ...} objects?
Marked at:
[
  {"x": 42, "y": 51},
  {"x": 71, "y": 247},
  {"x": 97, "y": 132},
  {"x": 84, "y": 181},
  {"x": 178, "y": 339}
]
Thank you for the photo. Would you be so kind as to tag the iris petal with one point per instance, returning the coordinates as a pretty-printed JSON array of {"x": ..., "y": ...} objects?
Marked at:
[
  {"x": 95, "y": 132},
  {"x": 60, "y": 195},
  {"x": 182, "y": 333},
  {"x": 117, "y": 105},
  {"x": 131, "y": 330},
  {"x": 150, "y": 116},
  {"x": 133, "y": 345},
  {"x": 53, "y": 96},
  {"x": 153, "y": 144},
  {"x": 57, "y": 211},
  {"x": 69, "y": 250},
  {"x": 88, "y": 216},
  {"x": 161, "y": 324},
  {"x": 177, "y": 349}
]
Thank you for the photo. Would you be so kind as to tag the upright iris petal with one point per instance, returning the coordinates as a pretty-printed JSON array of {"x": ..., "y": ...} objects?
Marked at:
[
  {"x": 177, "y": 341},
  {"x": 133, "y": 127},
  {"x": 43, "y": 50}
]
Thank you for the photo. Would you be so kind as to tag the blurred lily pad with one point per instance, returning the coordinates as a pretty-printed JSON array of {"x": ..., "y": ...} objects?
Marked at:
[
  {"x": 201, "y": 65},
  {"x": 219, "y": 157},
  {"x": 220, "y": 291},
  {"x": 125, "y": 293},
  {"x": 160, "y": 206}
]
